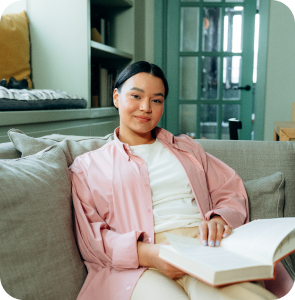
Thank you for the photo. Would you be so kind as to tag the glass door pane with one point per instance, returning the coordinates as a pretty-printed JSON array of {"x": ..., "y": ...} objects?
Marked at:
[
  {"x": 189, "y": 29},
  {"x": 211, "y": 28},
  {"x": 209, "y": 81},
  {"x": 228, "y": 111},
  {"x": 188, "y": 119},
  {"x": 231, "y": 78},
  {"x": 188, "y": 77},
  {"x": 232, "y": 36},
  {"x": 209, "y": 121}
]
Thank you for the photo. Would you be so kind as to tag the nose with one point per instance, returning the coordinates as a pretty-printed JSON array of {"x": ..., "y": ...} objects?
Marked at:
[{"x": 145, "y": 105}]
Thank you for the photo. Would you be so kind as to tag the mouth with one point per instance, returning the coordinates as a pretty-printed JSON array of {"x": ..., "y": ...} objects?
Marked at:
[{"x": 142, "y": 118}]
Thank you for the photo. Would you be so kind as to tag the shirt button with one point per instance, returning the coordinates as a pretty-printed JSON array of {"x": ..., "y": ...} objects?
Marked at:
[
  {"x": 150, "y": 240},
  {"x": 128, "y": 288},
  {"x": 147, "y": 209}
]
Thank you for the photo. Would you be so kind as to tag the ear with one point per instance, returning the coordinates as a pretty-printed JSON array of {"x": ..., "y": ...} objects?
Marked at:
[{"x": 116, "y": 96}]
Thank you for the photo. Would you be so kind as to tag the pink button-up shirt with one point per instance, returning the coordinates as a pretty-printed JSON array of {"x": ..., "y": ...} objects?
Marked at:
[{"x": 113, "y": 207}]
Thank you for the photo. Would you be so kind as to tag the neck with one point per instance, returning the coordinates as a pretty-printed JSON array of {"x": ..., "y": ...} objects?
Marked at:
[{"x": 136, "y": 139}]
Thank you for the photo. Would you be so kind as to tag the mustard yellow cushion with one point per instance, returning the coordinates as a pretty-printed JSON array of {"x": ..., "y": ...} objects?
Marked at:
[{"x": 15, "y": 47}]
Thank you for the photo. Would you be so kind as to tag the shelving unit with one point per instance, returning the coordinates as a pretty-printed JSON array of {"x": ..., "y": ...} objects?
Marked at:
[
  {"x": 113, "y": 3},
  {"x": 108, "y": 57},
  {"x": 102, "y": 51},
  {"x": 62, "y": 56}
]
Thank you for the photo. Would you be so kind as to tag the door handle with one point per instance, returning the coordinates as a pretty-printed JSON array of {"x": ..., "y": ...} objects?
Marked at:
[{"x": 246, "y": 88}]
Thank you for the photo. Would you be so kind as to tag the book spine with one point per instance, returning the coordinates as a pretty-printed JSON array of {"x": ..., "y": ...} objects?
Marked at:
[
  {"x": 103, "y": 30},
  {"x": 104, "y": 87}
]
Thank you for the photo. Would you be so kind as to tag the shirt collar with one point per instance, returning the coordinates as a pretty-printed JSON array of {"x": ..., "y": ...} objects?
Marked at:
[
  {"x": 165, "y": 136},
  {"x": 161, "y": 134},
  {"x": 123, "y": 147}
]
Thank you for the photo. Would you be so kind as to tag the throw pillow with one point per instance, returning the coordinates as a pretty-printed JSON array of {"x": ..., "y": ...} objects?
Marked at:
[
  {"x": 39, "y": 258},
  {"x": 71, "y": 147},
  {"x": 266, "y": 196},
  {"x": 266, "y": 200},
  {"x": 15, "y": 47}
]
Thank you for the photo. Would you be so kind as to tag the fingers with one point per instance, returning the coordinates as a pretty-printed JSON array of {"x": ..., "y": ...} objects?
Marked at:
[
  {"x": 167, "y": 269},
  {"x": 172, "y": 272},
  {"x": 219, "y": 233},
  {"x": 211, "y": 233},
  {"x": 226, "y": 232},
  {"x": 203, "y": 233}
]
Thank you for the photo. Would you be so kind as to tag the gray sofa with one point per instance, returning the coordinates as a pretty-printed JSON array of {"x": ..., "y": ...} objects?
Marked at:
[{"x": 39, "y": 258}]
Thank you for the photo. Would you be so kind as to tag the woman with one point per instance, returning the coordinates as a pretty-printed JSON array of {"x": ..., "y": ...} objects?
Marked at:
[{"x": 146, "y": 182}]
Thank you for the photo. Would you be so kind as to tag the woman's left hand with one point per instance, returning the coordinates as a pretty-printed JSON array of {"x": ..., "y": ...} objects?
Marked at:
[{"x": 211, "y": 232}]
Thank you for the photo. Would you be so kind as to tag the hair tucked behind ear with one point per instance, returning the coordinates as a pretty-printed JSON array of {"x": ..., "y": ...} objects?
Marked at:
[{"x": 138, "y": 67}]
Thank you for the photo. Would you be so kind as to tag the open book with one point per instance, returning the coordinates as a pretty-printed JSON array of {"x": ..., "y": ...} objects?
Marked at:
[{"x": 248, "y": 254}]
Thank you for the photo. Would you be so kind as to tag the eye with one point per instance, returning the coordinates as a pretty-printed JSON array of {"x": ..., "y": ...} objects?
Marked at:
[
  {"x": 135, "y": 96},
  {"x": 158, "y": 101}
]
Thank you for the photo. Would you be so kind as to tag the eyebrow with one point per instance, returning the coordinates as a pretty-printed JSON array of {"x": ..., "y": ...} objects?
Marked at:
[{"x": 140, "y": 90}]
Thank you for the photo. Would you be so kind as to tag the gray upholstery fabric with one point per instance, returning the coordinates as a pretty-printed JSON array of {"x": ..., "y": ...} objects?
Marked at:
[
  {"x": 39, "y": 258},
  {"x": 255, "y": 159},
  {"x": 8, "y": 151},
  {"x": 266, "y": 196},
  {"x": 250, "y": 159},
  {"x": 71, "y": 147}
]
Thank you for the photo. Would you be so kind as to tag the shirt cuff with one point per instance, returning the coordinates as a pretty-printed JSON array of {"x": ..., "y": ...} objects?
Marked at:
[
  {"x": 125, "y": 255},
  {"x": 230, "y": 216}
]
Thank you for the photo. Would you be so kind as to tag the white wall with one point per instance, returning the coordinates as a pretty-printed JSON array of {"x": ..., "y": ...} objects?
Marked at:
[
  {"x": 280, "y": 78},
  {"x": 149, "y": 31},
  {"x": 16, "y": 7}
]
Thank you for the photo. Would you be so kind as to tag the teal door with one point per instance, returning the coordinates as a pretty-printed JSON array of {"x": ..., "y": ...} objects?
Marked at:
[{"x": 209, "y": 65}]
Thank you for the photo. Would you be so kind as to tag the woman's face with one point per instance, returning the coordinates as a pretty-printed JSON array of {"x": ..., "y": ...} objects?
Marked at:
[{"x": 140, "y": 103}]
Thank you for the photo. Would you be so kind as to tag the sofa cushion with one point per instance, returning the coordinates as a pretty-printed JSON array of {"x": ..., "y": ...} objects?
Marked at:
[
  {"x": 39, "y": 258},
  {"x": 14, "y": 99},
  {"x": 72, "y": 146},
  {"x": 8, "y": 151},
  {"x": 266, "y": 196}
]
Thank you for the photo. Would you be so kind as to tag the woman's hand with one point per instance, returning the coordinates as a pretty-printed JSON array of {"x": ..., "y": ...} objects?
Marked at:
[
  {"x": 211, "y": 232},
  {"x": 148, "y": 255}
]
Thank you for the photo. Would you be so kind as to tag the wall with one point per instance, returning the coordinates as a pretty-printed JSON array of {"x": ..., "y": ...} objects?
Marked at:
[
  {"x": 16, "y": 7},
  {"x": 144, "y": 30},
  {"x": 280, "y": 78}
]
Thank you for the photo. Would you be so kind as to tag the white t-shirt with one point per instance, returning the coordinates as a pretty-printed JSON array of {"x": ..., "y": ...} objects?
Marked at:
[{"x": 172, "y": 196}]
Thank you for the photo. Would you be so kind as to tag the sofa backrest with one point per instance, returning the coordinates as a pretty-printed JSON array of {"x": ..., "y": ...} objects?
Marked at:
[
  {"x": 250, "y": 159},
  {"x": 256, "y": 159}
]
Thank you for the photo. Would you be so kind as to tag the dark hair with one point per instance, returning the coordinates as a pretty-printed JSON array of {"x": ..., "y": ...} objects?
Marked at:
[{"x": 138, "y": 67}]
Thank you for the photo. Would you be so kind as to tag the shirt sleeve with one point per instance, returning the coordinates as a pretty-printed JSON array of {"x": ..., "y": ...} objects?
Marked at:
[
  {"x": 227, "y": 191},
  {"x": 97, "y": 242},
  {"x": 228, "y": 195}
]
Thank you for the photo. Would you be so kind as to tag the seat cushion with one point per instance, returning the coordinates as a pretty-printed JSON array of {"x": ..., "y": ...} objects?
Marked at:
[
  {"x": 13, "y": 99},
  {"x": 39, "y": 258}
]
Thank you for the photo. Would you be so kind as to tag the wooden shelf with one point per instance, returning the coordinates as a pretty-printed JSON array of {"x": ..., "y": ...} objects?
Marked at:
[
  {"x": 99, "y": 50},
  {"x": 112, "y": 3}
]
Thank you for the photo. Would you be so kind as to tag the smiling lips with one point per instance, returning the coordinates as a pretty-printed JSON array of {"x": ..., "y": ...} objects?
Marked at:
[{"x": 142, "y": 118}]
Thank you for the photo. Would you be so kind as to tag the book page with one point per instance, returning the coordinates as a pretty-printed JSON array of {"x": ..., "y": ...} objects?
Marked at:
[
  {"x": 215, "y": 258},
  {"x": 259, "y": 239},
  {"x": 286, "y": 246}
]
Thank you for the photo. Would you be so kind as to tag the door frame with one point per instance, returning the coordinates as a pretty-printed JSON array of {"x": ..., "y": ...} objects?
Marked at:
[{"x": 160, "y": 59}]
